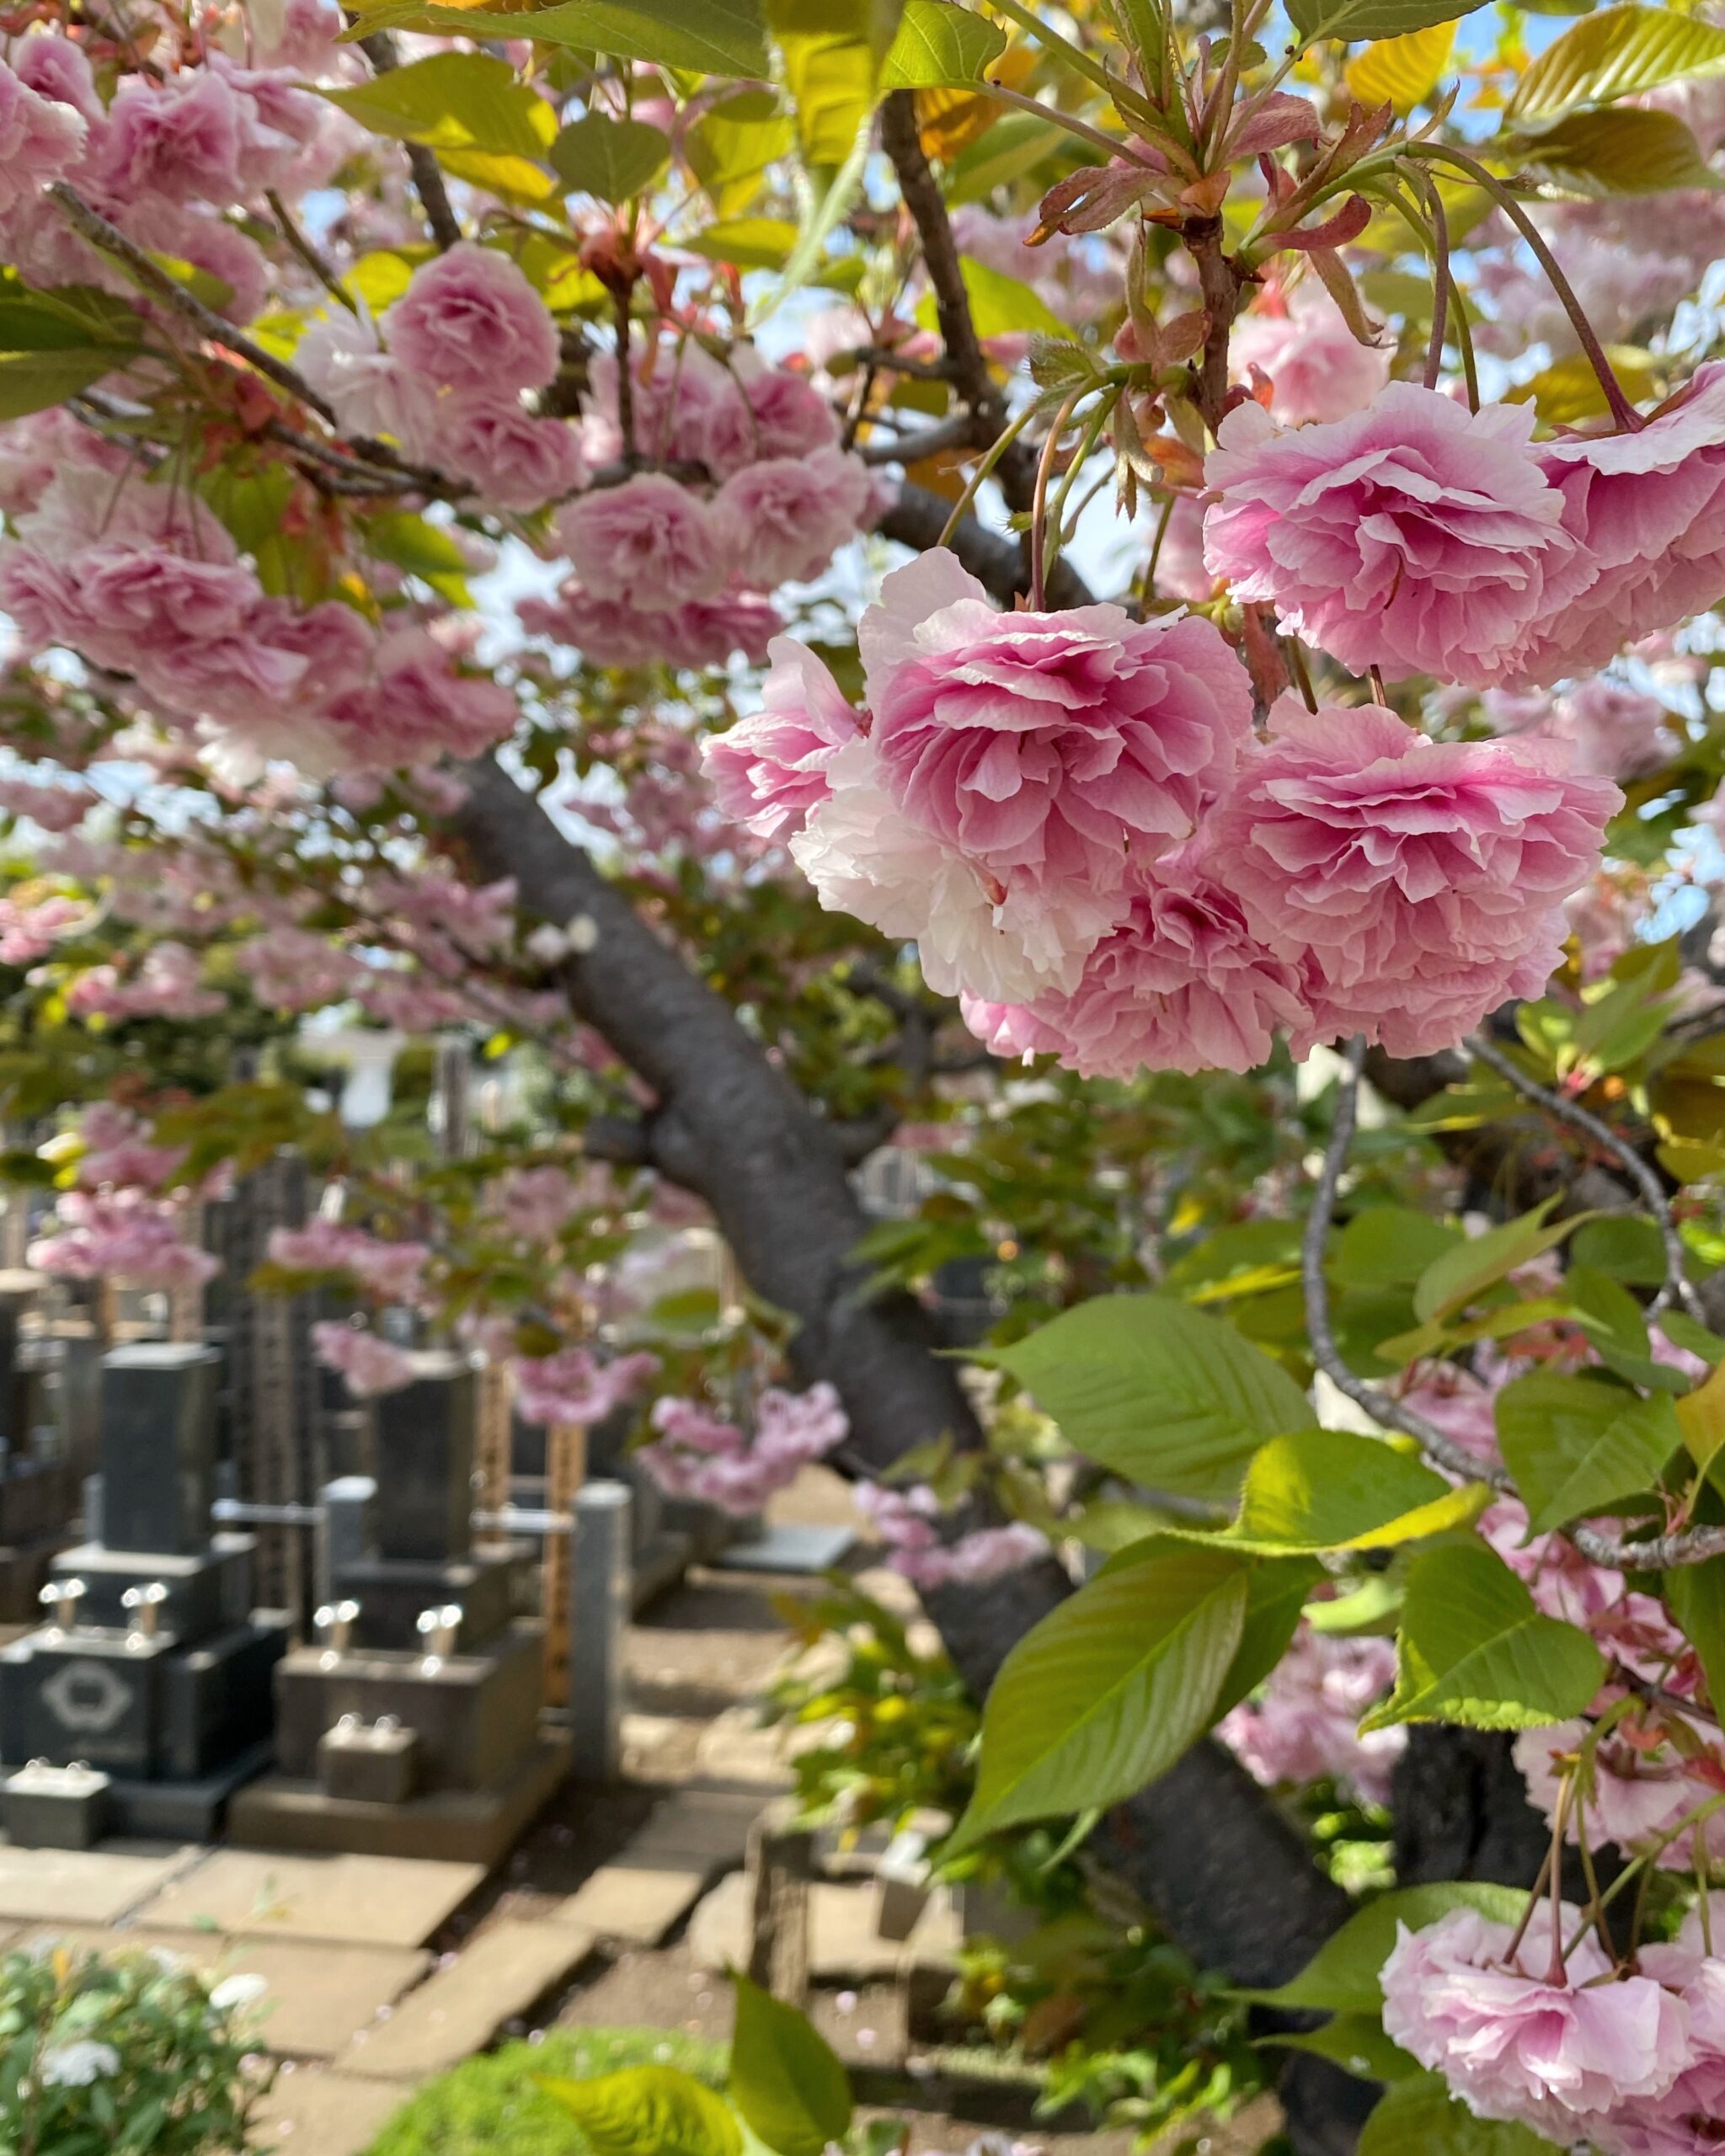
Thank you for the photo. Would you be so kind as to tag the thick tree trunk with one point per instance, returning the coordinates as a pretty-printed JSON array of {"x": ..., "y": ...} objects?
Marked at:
[{"x": 1203, "y": 1848}]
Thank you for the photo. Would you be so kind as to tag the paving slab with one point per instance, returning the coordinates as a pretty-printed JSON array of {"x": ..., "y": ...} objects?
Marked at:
[
  {"x": 509, "y": 1966},
  {"x": 734, "y": 1747},
  {"x": 719, "y": 1929},
  {"x": 377, "y": 1901},
  {"x": 639, "y": 1904},
  {"x": 78, "y": 1886},
  {"x": 320, "y": 1994},
  {"x": 703, "y": 1826},
  {"x": 313, "y": 2113}
]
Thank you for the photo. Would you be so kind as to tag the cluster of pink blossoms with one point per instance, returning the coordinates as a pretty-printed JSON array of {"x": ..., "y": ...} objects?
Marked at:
[
  {"x": 122, "y": 1235},
  {"x": 1632, "y": 2063},
  {"x": 1303, "y": 1726},
  {"x": 697, "y": 1454},
  {"x": 574, "y": 1386},
  {"x": 445, "y": 372},
  {"x": 1072, "y": 816},
  {"x": 670, "y": 573},
  {"x": 392, "y": 1271},
  {"x": 168, "y": 158},
  {"x": 907, "y": 1522},
  {"x": 370, "y": 1363},
  {"x": 138, "y": 581},
  {"x": 1420, "y": 538}
]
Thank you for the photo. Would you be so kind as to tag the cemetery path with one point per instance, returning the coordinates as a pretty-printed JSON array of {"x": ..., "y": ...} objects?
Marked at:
[{"x": 620, "y": 1908}]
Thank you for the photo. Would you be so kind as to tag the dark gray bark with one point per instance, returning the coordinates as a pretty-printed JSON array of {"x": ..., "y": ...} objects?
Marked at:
[{"x": 1203, "y": 1848}]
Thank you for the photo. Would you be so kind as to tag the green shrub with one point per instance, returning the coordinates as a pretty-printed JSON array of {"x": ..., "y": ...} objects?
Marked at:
[
  {"x": 127, "y": 2055},
  {"x": 492, "y": 2106}
]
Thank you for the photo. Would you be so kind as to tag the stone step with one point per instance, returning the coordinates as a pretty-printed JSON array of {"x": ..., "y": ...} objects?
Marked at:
[{"x": 458, "y": 2011}]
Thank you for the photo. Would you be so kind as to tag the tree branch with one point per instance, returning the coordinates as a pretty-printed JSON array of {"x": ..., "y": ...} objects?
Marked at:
[
  {"x": 379, "y": 48},
  {"x": 1687, "y": 1546},
  {"x": 1204, "y": 1847},
  {"x": 917, "y": 519}
]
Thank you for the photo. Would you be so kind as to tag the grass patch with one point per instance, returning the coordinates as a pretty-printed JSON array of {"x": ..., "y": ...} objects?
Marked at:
[{"x": 490, "y": 2106}]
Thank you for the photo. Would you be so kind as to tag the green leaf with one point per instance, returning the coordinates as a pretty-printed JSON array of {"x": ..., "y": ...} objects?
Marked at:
[
  {"x": 751, "y": 242},
  {"x": 785, "y": 2078},
  {"x": 1615, "y": 54},
  {"x": 940, "y": 46},
  {"x": 1624, "y": 1244},
  {"x": 1275, "y": 1595},
  {"x": 1683, "y": 1331},
  {"x": 1343, "y": 1975},
  {"x": 610, "y": 159},
  {"x": 1356, "y": 2044},
  {"x": 1575, "y": 1444},
  {"x": 1168, "y": 1397},
  {"x": 1402, "y": 71},
  {"x": 1696, "y": 1596},
  {"x": 1621, "y": 150},
  {"x": 1000, "y": 306},
  {"x": 1333, "y": 1490},
  {"x": 648, "y": 2110},
  {"x": 1420, "y": 2113},
  {"x": 1457, "y": 1278},
  {"x": 740, "y": 137},
  {"x": 1389, "y": 1246},
  {"x": 1701, "y": 1418},
  {"x": 1372, "y": 19},
  {"x": 453, "y": 101},
  {"x": 1107, "y": 1691},
  {"x": 830, "y": 75},
  {"x": 712, "y": 37},
  {"x": 30, "y": 381},
  {"x": 1473, "y": 1649},
  {"x": 423, "y": 550}
]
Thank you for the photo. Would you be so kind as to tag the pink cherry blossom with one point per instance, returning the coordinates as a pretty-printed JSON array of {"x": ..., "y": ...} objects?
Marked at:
[
  {"x": 1045, "y": 747},
  {"x": 1316, "y": 368},
  {"x": 418, "y": 708},
  {"x": 1553, "y": 2057},
  {"x": 789, "y": 417},
  {"x": 51, "y": 807},
  {"x": 370, "y": 1363},
  {"x": 907, "y": 1521},
  {"x": 768, "y": 770},
  {"x": 118, "y": 1151},
  {"x": 393, "y": 1272},
  {"x": 536, "y": 1204},
  {"x": 1648, "y": 510},
  {"x": 373, "y": 392},
  {"x": 648, "y": 543},
  {"x": 176, "y": 141},
  {"x": 709, "y": 632},
  {"x": 121, "y": 1235},
  {"x": 1181, "y": 984},
  {"x": 1420, "y": 884},
  {"x": 167, "y": 985},
  {"x": 698, "y": 1455},
  {"x": 470, "y": 320},
  {"x": 30, "y": 931},
  {"x": 40, "y": 139},
  {"x": 1304, "y": 1725},
  {"x": 513, "y": 459},
  {"x": 1414, "y": 536},
  {"x": 573, "y": 1386},
  {"x": 54, "y": 67},
  {"x": 1640, "y": 1790},
  {"x": 1462, "y": 1406},
  {"x": 290, "y": 968},
  {"x": 786, "y": 517}
]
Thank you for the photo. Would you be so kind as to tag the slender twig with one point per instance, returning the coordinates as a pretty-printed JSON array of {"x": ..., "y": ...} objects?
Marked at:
[
  {"x": 1038, "y": 511},
  {"x": 1677, "y": 1287},
  {"x": 1441, "y": 281},
  {"x": 1656, "y": 1553},
  {"x": 1624, "y": 414},
  {"x": 625, "y": 376},
  {"x": 307, "y": 252},
  {"x": 427, "y": 173},
  {"x": 958, "y": 432},
  {"x": 1326, "y": 1354},
  {"x": 187, "y": 305}
]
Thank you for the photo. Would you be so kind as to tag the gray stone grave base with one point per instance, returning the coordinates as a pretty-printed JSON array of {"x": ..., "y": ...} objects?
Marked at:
[
  {"x": 182, "y": 1811},
  {"x": 449, "y": 1826},
  {"x": 787, "y": 1546}
]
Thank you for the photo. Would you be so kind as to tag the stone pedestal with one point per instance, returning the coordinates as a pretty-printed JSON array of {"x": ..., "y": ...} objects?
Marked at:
[
  {"x": 153, "y": 1670},
  {"x": 411, "y": 1725}
]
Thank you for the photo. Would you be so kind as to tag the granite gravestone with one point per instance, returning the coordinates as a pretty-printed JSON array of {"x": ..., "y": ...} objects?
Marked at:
[
  {"x": 411, "y": 1727},
  {"x": 153, "y": 1668}
]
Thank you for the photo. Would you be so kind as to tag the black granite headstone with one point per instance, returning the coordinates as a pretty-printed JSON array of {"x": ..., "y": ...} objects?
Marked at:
[
  {"x": 159, "y": 1447},
  {"x": 425, "y": 1438}
]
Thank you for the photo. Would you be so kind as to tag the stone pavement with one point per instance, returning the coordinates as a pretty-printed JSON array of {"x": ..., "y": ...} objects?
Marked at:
[{"x": 623, "y": 1907}]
